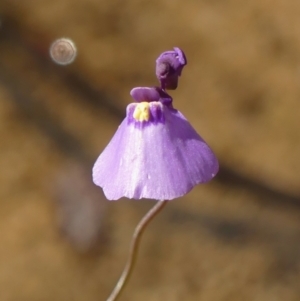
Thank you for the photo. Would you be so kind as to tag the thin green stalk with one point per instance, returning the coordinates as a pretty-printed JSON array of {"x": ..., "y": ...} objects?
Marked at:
[{"x": 134, "y": 249}]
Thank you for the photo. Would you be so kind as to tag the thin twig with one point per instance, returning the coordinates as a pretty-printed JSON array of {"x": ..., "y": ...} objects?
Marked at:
[{"x": 134, "y": 248}]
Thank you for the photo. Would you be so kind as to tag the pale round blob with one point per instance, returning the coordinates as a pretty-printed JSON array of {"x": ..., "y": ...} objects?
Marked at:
[{"x": 63, "y": 51}]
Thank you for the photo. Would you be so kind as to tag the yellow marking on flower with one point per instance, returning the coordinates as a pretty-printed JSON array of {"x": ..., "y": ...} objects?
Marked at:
[{"x": 142, "y": 112}]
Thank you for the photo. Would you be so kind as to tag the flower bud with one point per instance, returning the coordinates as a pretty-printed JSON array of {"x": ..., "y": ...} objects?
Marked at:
[{"x": 169, "y": 66}]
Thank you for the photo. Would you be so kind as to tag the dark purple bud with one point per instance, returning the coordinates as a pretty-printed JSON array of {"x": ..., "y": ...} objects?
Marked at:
[{"x": 169, "y": 66}]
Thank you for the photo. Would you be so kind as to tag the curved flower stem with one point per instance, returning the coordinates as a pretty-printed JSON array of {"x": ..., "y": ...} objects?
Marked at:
[{"x": 134, "y": 248}]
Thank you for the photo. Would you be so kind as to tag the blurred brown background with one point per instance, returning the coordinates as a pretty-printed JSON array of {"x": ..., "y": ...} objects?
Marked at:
[{"x": 236, "y": 238}]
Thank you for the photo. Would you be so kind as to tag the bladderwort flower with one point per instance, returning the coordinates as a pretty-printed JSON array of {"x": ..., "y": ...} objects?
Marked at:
[
  {"x": 169, "y": 66},
  {"x": 154, "y": 154}
]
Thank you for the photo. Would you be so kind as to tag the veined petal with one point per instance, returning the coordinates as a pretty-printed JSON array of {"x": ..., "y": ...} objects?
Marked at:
[{"x": 159, "y": 158}]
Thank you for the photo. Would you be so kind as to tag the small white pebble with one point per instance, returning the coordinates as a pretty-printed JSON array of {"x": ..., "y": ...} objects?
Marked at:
[{"x": 63, "y": 51}]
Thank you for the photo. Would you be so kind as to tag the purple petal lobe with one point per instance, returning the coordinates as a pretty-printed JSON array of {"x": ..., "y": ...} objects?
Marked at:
[
  {"x": 146, "y": 94},
  {"x": 140, "y": 94},
  {"x": 159, "y": 158}
]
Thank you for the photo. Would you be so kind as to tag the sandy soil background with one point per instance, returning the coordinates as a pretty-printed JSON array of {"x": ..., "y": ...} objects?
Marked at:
[{"x": 236, "y": 238}]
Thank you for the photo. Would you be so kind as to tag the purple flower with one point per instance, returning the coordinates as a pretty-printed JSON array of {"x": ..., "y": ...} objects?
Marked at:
[
  {"x": 155, "y": 152},
  {"x": 169, "y": 66}
]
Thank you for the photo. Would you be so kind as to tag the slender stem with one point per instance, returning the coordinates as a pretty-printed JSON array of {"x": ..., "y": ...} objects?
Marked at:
[{"x": 134, "y": 249}]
